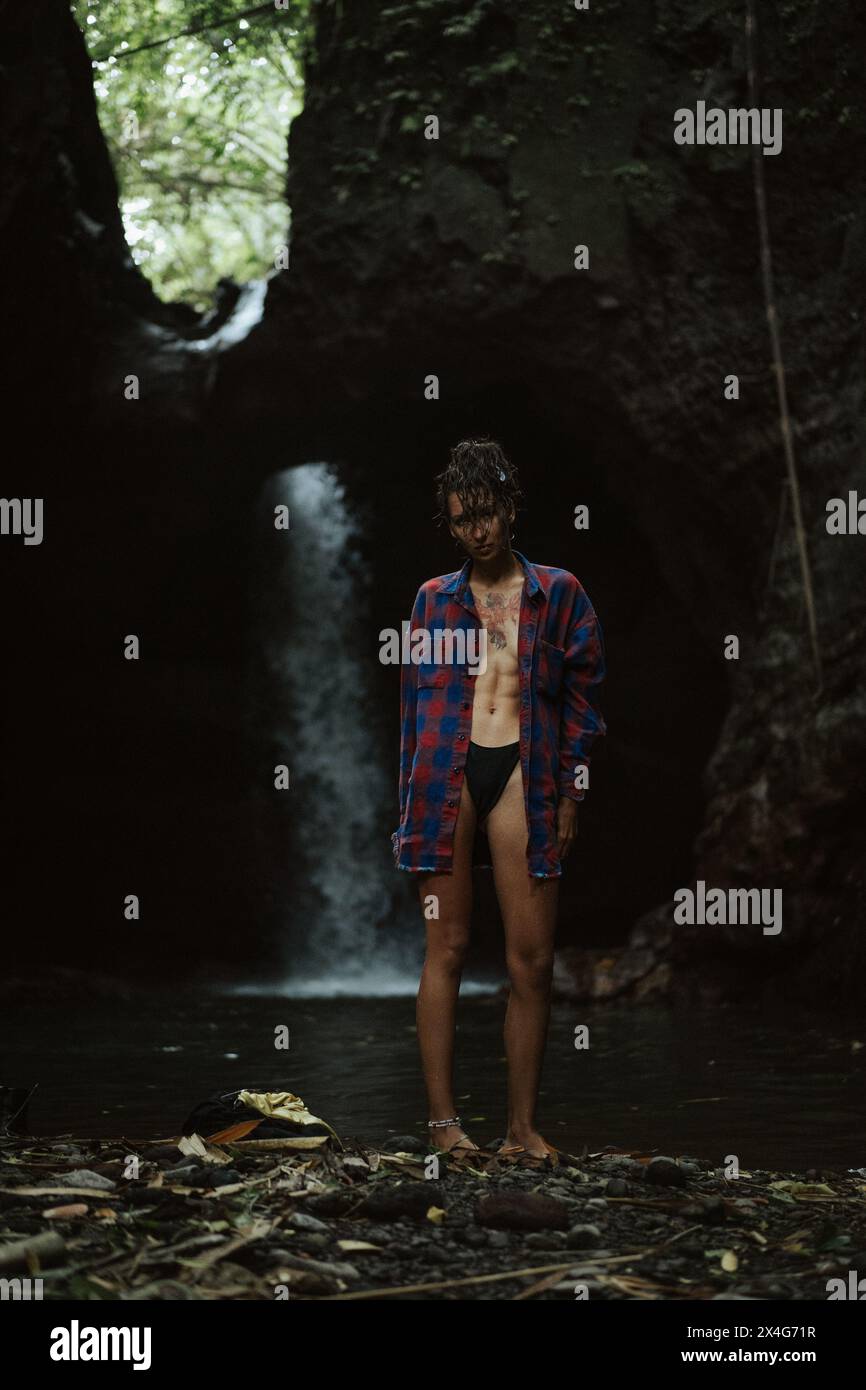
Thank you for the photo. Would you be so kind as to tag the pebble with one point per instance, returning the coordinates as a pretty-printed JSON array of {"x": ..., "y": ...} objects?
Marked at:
[
  {"x": 583, "y": 1237},
  {"x": 546, "y": 1240},
  {"x": 665, "y": 1171},
  {"x": 311, "y": 1240},
  {"x": 302, "y": 1221},
  {"x": 221, "y": 1177},
  {"x": 557, "y": 1188},
  {"x": 434, "y": 1255},
  {"x": 474, "y": 1238},
  {"x": 84, "y": 1177},
  {"x": 709, "y": 1209},
  {"x": 405, "y": 1143}
]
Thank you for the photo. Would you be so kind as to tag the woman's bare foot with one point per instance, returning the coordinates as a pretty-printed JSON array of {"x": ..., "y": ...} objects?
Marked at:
[
  {"x": 529, "y": 1140},
  {"x": 452, "y": 1139}
]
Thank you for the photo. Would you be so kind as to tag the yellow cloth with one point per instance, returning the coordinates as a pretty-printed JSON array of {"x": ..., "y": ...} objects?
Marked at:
[{"x": 282, "y": 1105}]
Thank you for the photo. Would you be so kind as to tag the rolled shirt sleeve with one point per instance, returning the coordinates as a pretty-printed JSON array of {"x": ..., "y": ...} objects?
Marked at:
[
  {"x": 409, "y": 706},
  {"x": 584, "y": 669}
]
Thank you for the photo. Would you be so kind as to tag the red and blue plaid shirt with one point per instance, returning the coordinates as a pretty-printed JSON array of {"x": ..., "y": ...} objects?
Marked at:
[{"x": 560, "y": 657}]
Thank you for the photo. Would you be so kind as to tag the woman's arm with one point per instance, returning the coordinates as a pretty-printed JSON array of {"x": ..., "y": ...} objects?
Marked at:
[
  {"x": 409, "y": 704},
  {"x": 584, "y": 669}
]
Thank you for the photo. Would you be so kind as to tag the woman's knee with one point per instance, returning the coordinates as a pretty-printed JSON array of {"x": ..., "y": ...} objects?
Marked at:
[
  {"x": 530, "y": 968},
  {"x": 447, "y": 948}
]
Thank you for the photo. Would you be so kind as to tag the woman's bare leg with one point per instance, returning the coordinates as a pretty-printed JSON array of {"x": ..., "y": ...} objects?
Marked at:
[
  {"x": 447, "y": 943},
  {"x": 528, "y": 906}
]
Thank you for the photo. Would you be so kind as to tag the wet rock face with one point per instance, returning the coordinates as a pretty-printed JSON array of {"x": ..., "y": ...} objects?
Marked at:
[
  {"x": 559, "y": 132},
  {"x": 524, "y": 105}
]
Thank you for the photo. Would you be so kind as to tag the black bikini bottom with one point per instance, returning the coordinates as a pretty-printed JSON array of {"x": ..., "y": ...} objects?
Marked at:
[{"x": 487, "y": 771}]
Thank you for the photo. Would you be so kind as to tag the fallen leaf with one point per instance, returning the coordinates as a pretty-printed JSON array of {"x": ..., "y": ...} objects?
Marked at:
[
  {"x": 67, "y": 1213},
  {"x": 357, "y": 1163},
  {"x": 192, "y": 1144},
  {"x": 57, "y": 1191},
  {"x": 231, "y": 1135}
]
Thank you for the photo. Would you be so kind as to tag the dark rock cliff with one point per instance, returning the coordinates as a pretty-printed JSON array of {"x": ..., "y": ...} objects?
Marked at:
[{"x": 454, "y": 257}]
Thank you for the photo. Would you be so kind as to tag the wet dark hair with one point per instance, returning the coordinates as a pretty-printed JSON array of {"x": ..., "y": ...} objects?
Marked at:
[{"x": 479, "y": 473}]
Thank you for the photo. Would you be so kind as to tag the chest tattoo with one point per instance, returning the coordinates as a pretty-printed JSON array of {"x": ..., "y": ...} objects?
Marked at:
[{"x": 496, "y": 612}]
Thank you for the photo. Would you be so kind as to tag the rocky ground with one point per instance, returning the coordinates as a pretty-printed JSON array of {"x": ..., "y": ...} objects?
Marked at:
[{"x": 189, "y": 1219}]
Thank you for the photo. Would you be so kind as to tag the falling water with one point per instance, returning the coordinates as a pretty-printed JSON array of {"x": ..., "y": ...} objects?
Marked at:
[{"x": 320, "y": 654}]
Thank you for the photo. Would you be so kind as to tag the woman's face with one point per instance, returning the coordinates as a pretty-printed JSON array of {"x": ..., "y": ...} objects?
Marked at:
[{"x": 483, "y": 532}]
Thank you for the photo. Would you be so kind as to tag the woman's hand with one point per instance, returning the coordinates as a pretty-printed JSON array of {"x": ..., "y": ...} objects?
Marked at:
[{"x": 566, "y": 825}]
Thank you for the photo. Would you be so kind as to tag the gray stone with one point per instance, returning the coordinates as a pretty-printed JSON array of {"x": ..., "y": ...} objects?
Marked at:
[
  {"x": 546, "y": 1240},
  {"x": 405, "y": 1143},
  {"x": 84, "y": 1177},
  {"x": 302, "y": 1221},
  {"x": 665, "y": 1171},
  {"x": 584, "y": 1237}
]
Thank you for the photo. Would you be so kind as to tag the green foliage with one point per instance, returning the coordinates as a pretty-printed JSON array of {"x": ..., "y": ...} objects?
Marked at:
[
  {"x": 651, "y": 192},
  {"x": 636, "y": 169},
  {"x": 503, "y": 66},
  {"x": 465, "y": 25},
  {"x": 196, "y": 124}
]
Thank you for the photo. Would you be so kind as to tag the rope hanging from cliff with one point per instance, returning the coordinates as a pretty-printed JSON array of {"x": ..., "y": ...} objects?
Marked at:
[{"x": 778, "y": 364}]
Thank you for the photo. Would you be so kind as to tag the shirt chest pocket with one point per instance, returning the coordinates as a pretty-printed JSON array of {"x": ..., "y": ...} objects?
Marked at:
[
  {"x": 431, "y": 677},
  {"x": 551, "y": 664}
]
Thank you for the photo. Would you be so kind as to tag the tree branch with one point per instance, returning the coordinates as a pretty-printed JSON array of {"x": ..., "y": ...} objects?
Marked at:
[
  {"x": 217, "y": 23},
  {"x": 257, "y": 190}
]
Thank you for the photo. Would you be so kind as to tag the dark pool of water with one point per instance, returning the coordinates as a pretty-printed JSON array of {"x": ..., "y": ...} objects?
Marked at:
[{"x": 779, "y": 1093}]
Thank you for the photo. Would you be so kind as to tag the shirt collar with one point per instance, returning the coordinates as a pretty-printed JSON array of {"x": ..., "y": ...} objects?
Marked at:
[{"x": 458, "y": 582}]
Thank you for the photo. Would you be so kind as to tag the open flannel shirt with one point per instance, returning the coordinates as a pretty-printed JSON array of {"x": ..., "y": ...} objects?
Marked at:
[{"x": 560, "y": 656}]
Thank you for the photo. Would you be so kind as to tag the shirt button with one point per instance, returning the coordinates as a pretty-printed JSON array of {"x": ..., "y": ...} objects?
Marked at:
[
  {"x": 461, "y": 737},
  {"x": 449, "y": 803},
  {"x": 455, "y": 769},
  {"x": 465, "y": 704}
]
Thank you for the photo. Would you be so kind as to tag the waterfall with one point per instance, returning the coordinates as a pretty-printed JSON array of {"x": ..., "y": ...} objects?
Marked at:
[
  {"x": 331, "y": 873},
  {"x": 246, "y": 315},
  {"x": 320, "y": 657}
]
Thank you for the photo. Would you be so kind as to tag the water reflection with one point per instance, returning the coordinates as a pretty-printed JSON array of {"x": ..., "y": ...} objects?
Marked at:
[{"x": 775, "y": 1093}]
